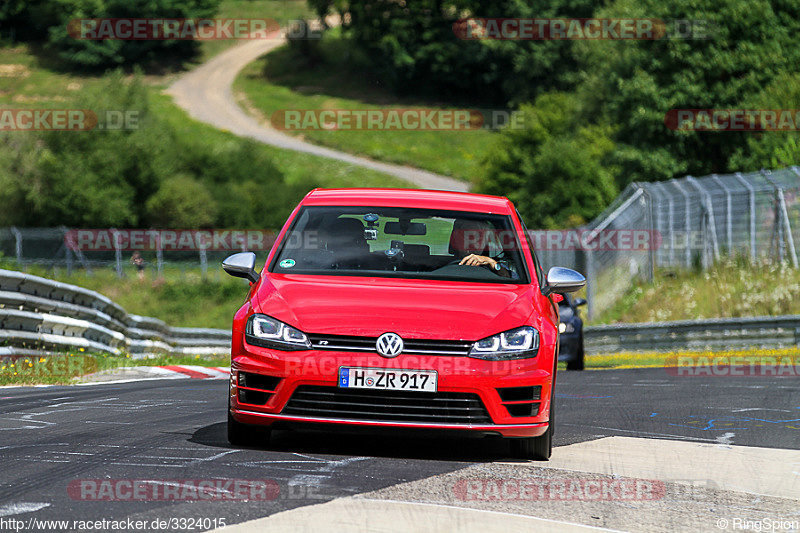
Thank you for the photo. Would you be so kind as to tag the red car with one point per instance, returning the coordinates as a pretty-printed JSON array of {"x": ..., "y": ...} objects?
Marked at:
[{"x": 402, "y": 309}]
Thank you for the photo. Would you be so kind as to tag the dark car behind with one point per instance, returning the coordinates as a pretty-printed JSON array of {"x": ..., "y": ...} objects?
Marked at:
[{"x": 571, "y": 332}]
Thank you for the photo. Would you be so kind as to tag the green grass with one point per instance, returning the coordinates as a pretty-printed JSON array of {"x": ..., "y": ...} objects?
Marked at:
[
  {"x": 64, "y": 368},
  {"x": 688, "y": 358},
  {"x": 281, "y": 80},
  {"x": 281, "y": 11},
  {"x": 28, "y": 81},
  {"x": 731, "y": 288},
  {"x": 294, "y": 165}
]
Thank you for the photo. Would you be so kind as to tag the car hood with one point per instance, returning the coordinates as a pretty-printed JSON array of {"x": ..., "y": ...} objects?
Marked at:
[{"x": 422, "y": 309}]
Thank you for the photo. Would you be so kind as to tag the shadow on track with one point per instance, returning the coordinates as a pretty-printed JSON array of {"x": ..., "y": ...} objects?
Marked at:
[{"x": 397, "y": 445}]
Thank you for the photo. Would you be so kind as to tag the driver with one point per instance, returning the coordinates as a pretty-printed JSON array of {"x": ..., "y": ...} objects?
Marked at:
[{"x": 470, "y": 241}]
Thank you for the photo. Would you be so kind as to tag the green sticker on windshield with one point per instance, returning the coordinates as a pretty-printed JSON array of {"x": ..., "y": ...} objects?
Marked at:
[{"x": 287, "y": 263}]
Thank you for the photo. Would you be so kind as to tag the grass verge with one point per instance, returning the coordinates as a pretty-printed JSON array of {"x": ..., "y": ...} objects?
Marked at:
[
  {"x": 731, "y": 288},
  {"x": 64, "y": 368},
  {"x": 337, "y": 79},
  {"x": 687, "y": 359},
  {"x": 30, "y": 82},
  {"x": 281, "y": 11},
  {"x": 295, "y": 166}
]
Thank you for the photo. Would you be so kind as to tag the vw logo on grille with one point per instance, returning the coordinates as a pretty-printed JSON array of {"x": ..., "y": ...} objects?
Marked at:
[{"x": 389, "y": 345}]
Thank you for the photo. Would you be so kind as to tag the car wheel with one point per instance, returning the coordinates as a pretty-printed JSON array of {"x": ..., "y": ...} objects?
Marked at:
[
  {"x": 538, "y": 448},
  {"x": 243, "y": 435},
  {"x": 578, "y": 362}
]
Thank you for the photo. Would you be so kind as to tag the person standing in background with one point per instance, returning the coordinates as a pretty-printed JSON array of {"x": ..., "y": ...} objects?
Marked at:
[{"x": 138, "y": 261}]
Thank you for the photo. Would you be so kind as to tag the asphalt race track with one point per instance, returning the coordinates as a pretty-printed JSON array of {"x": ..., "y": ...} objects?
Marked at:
[{"x": 172, "y": 430}]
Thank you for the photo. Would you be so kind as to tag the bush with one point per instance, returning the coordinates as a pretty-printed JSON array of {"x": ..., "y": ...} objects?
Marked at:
[
  {"x": 151, "y": 176},
  {"x": 557, "y": 172},
  {"x": 47, "y": 20}
]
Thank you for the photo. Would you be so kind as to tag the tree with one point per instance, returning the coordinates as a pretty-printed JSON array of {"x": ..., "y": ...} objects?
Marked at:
[
  {"x": 556, "y": 171},
  {"x": 772, "y": 149},
  {"x": 48, "y": 20},
  {"x": 181, "y": 202},
  {"x": 632, "y": 84}
]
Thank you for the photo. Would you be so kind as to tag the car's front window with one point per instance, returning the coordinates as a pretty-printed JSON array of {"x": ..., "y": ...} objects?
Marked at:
[{"x": 402, "y": 242}]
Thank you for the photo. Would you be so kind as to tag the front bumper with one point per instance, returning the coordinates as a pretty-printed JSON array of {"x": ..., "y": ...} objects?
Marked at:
[{"x": 319, "y": 369}]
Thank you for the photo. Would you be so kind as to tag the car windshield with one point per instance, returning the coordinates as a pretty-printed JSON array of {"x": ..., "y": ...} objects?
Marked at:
[{"x": 402, "y": 242}]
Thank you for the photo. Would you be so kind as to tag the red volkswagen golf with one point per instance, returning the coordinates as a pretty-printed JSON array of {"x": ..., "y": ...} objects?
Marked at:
[{"x": 402, "y": 309}]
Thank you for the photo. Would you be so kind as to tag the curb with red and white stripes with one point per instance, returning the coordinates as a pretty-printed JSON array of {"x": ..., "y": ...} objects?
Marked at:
[{"x": 187, "y": 371}]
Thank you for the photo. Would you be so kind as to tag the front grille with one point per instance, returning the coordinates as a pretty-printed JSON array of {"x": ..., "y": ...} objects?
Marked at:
[
  {"x": 345, "y": 343},
  {"x": 388, "y": 406}
]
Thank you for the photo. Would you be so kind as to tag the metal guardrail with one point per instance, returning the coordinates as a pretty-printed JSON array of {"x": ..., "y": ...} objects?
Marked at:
[
  {"x": 695, "y": 335},
  {"x": 41, "y": 315},
  {"x": 37, "y": 314}
]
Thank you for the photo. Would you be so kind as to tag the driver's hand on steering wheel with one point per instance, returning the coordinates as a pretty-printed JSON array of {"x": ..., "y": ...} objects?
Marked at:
[{"x": 477, "y": 260}]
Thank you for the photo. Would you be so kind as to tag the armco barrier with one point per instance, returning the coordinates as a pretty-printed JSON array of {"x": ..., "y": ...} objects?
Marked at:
[
  {"x": 704, "y": 334},
  {"x": 38, "y": 314}
]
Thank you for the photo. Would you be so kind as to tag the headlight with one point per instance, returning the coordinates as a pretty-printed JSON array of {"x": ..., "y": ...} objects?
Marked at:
[
  {"x": 519, "y": 343},
  {"x": 564, "y": 327},
  {"x": 265, "y": 331}
]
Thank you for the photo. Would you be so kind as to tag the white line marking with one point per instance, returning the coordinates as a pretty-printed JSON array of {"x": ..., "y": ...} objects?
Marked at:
[
  {"x": 213, "y": 457},
  {"x": 681, "y": 437},
  {"x": 727, "y": 438},
  {"x": 21, "y": 507},
  {"x": 310, "y": 457}
]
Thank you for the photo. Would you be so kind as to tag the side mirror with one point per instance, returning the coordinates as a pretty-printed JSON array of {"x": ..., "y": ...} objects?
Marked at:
[
  {"x": 580, "y": 301},
  {"x": 560, "y": 279},
  {"x": 241, "y": 265}
]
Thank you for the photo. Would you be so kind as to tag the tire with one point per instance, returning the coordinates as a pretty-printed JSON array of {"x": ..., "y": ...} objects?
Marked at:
[
  {"x": 537, "y": 448},
  {"x": 245, "y": 435},
  {"x": 578, "y": 363}
]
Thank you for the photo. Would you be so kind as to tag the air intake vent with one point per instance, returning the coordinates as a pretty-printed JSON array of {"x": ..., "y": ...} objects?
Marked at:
[
  {"x": 256, "y": 389},
  {"x": 521, "y": 401},
  {"x": 520, "y": 394}
]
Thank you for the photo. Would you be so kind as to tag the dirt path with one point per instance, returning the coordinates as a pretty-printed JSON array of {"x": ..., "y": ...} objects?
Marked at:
[{"x": 206, "y": 94}]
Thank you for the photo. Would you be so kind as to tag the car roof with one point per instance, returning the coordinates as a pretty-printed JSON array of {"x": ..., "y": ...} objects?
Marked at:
[{"x": 421, "y": 198}]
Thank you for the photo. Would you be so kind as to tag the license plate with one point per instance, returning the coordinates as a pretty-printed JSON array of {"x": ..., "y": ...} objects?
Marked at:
[{"x": 387, "y": 378}]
